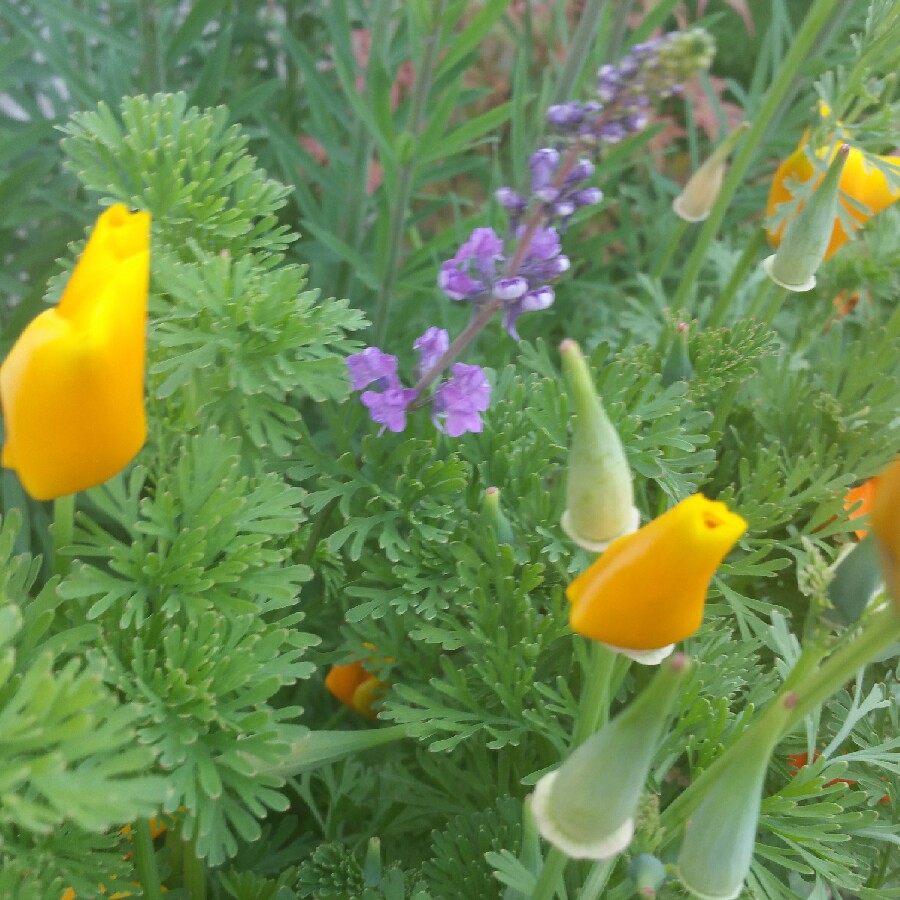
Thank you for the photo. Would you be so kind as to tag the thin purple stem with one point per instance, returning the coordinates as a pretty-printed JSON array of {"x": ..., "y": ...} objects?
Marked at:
[{"x": 486, "y": 313}]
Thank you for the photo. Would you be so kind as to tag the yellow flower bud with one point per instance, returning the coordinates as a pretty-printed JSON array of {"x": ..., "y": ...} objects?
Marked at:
[
  {"x": 649, "y": 588},
  {"x": 72, "y": 387},
  {"x": 699, "y": 195},
  {"x": 886, "y": 525}
]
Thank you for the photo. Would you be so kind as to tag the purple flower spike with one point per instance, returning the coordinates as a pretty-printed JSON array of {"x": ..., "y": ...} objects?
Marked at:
[
  {"x": 457, "y": 403},
  {"x": 479, "y": 255},
  {"x": 389, "y": 407},
  {"x": 431, "y": 346},
  {"x": 371, "y": 365}
]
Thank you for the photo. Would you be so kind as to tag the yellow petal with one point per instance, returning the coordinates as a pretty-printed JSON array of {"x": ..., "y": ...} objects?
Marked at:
[
  {"x": 72, "y": 387},
  {"x": 649, "y": 588}
]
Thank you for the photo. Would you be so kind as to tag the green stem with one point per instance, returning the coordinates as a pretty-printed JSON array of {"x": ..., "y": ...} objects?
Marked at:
[
  {"x": 762, "y": 294},
  {"x": 194, "y": 872},
  {"x": 744, "y": 264},
  {"x": 775, "y": 305},
  {"x": 819, "y": 13},
  {"x": 400, "y": 203},
  {"x": 151, "y": 50},
  {"x": 63, "y": 530},
  {"x": 577, "y": 54},
  {"x": 145, "y": 861},
  {"x": 674, "y": 240},
  {"x": 804, "y": 689},
  {"x": 548, "y": 881},
  {"x": 880, "y": 632},
  {"x": 594, "y": 704},
  {"x": 723, "y": 409},
  {"x": 597, "y": 879}
]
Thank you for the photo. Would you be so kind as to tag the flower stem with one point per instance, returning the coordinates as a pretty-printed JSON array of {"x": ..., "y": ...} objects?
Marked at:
[
  {"x": 674, "y": 240},
  {"x": 596, "y": 881},
  {"x": 744, "y": 264},
  {"x": 145, "y": 861},
  {"x": 151, "y": 50},
  {"x": 194, "y": 872},
  {"x": 548, "y": 881},
  {"x": 63, "y": 529},
  {"x": 819, "y": 13},
  {"x": 807, "y": 686},
  {"x": 400, "y": 203},
  {"x": 594, "y": 706}
]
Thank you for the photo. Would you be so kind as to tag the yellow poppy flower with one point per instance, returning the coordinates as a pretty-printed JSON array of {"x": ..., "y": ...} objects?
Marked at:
[
  {"x": 72, "y": 387},
  {"x": 649, "y": 588},
  {"x": 859, "y": 180}
]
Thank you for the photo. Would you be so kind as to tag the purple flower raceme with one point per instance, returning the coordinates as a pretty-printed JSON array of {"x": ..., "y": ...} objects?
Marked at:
[
  {"x": 626, "y": 92},
  {"x": 478, "y": 272},
  {"x": 456, "y": 404}
]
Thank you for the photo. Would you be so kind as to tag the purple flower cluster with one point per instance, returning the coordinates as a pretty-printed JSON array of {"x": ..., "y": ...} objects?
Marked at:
[
  {"x": 626, "y": 93},
  {"x": 456, "y": 404},
  {"x": 478, "y": 273},
  {"x": 557, "y": 202}
]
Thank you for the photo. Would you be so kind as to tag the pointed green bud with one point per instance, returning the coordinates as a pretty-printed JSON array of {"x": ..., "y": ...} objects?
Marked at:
[
  {"x": 648, "y": 874},
  {"x": 718, "y": 840},
  {"x": 530, "y": 855},
  {"x": 372, "y": 874},
  {"x": 699, "y": 195},
  {"x": 794, "y": 264},
  {"x": 492, "y": 511},
  {"x": 677, "y": 364},
  {"x": 588, "y": 805},
  {"x": 599, "y": 496},
  {"x": 857, "y": 577}
]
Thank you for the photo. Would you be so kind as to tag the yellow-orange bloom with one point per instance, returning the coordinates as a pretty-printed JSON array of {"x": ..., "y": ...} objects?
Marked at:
[
  {"x": 861, "y": 498},
  {"x": 886, "y": 525},
  {"x": 72, "y": 387},
  {"x": 355, "y": 687},
  {"x": 859, "y": 180},
  {"x": 649, "y": 588}
]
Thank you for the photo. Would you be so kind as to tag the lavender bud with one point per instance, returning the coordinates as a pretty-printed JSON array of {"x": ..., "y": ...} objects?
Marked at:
[
  {"x": 581, "y": 171},
  {"x": 546, "y": 194},
  {"x": 587, "y": 196},
  {"x": 612, "y": 132},
  {"x": 563, "y": 210},
  {"x": 510, "y": 200},
  {"x": 543, "y": 164},
  {"x": 565, "y": 115}
]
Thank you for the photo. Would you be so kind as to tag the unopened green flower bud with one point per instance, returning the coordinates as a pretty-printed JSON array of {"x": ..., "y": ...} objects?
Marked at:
[
  {"x": 718, "y": 841},
  {"x": 857, "y": 577},
  {"x": 599, "y": 496},
  {"x": 490, "y": 507},
  {"x": 685, "y": 53},
  {"x": 588, "y": 805},
  {"x": 648, "y": 873},
  {"x": 699, "y": 195},
  {"x": 677, "y": 364},
  {"x": 802, "y": 249}
]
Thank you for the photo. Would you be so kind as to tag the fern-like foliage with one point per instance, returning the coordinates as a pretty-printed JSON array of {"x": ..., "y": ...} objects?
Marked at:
[
  {"x": 191, "y": 600},
  {"x": 71, "y": 760},
  {"x": 189, "y": 169},
  {"x": 243, "y": 342}
]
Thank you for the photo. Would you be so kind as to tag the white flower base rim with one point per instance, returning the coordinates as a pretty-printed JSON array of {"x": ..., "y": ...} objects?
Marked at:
[
  {"x": 598, "y": 848},
  {"x": 799, "y": 288},
  {"x": 645, "y": 657},
  {"x": 599, "y": 546}
]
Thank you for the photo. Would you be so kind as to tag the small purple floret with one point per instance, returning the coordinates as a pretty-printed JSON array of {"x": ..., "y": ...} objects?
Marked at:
[
  {"x": 388, "y": 408},
  {"x": 431, "y": 346},
  {"x": 457, "y": 403},
  {"x": 372, "y": 365}
]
